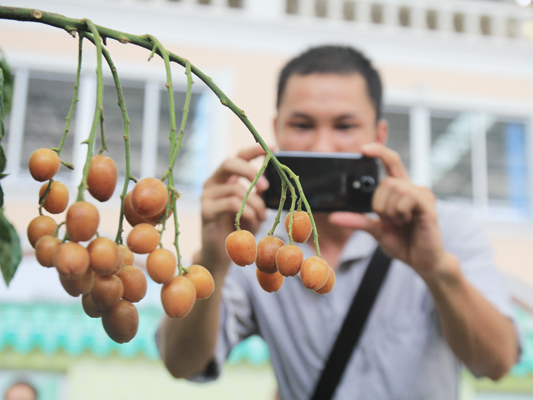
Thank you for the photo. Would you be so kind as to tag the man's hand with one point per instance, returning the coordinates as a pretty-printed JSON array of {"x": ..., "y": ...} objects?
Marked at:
[
  {"x": 222, "y": 199},
  {"x": 407, "y": 227}
]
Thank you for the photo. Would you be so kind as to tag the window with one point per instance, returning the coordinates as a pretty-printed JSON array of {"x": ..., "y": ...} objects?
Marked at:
[
  {"x": 48, "y": 100},
  {"x": 507, "y": 165},
  {"x": 451, "y": 155},
  {"x": 399, "y": 131}
]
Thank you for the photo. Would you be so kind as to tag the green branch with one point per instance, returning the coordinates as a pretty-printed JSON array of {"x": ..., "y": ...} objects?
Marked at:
[
  {"x": 259, "y": 173},
  {"x": 98, "y": 108},
  {"x": 72, "y": 104},
  {"x": 72, "y": 26}
]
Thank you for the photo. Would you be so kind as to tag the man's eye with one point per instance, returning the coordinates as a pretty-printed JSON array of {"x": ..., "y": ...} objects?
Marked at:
[
  {"x": 345, "y": 127},
  {"x": 302, "y": 126}
]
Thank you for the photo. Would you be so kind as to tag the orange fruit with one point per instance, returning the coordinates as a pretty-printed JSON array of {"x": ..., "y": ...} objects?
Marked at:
[
  {"x": 82, "y": 221},
  {"x": 241, "y": 248},
  {"x": 56, "y": 200},
  {"x": 301, "y": 226},
  {"x": 203, "y": 281},
  {"x": 40, "y": 226},
  {"x": 43, "y": 164},
  {"x": 178, "y": 297},
  {"x": 102, "y": 178},
  {"x": 314, "y": 273},
  {"x": 149, "y": 197}
]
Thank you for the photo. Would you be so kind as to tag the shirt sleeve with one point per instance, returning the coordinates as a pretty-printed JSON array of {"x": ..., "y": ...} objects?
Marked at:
[
  {"x": 237, "y": 322},
  {"x": 464, "y": 237}
]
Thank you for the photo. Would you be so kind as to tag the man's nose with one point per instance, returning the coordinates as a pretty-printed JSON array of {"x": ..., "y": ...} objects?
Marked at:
[{"x": 324, "y": 141}]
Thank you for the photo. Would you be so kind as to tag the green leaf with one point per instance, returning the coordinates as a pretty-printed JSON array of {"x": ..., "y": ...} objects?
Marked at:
[
  {"x": 7, "y": 90},
  {"x": 10, "y": 250},
  {"x": 2, "y": 159},
  {"x": 1, "y": 196}
]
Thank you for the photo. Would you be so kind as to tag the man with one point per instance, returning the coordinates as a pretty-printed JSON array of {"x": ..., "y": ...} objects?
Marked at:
[
  {"x": 440, "y": 305},
  {"x": 20, "y": 391}
]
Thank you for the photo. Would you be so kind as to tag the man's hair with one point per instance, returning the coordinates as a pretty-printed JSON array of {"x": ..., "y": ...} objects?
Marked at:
[{"x": 342, "y": 60}]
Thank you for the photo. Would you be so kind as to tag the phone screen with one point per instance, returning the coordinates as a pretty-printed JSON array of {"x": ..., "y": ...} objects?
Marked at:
[{"x": 330, "y": 181}]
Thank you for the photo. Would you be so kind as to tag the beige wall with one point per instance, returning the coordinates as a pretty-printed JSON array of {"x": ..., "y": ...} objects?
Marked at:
[{"x": 254, "y": 76}]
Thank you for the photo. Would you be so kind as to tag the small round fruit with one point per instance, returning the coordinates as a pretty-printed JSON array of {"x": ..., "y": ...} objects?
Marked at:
[
  {"x": 134, "y": 282},
  {"x": 43, "y": 164},
  {"x": 71, "y": 260},
  {"x": 131, "y": 215},
  {"x": 82, "y": 221},
  {"x": 121, "y": 321},
  {"x": 106, "y": 291},
  {"x": 104, "y": 255},
  {"x": 241, "y": 248},
  {"x": 289, "y": 259},
  {"x": 161, "y": 265},
  {"x": 45, "y": 249},
  {"x": 88, "y": 306},
  {"x": 143, "y": 239},
  {"x": 82, "y": 285},
  {"x": 178, "y": 297},
  {"x": 127, "y": 253},
  {"x": 269, "y": 282},
  {"x": 314, "y": 272},
  {"x": 40, "y": 226},
  {"x": 329, "y": 283},
  {"x": 203, "y": 281},
  {"x": 301, "y": 226},
  {"x": 56, "y": 200},
  {"x": 102, "y": 178},
  {"x": 149, "y": 197},
  {"x": 267, "y": 248}
]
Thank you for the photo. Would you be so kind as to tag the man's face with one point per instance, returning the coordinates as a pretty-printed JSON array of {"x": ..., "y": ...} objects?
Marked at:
[{"x": 327, "y": 113}]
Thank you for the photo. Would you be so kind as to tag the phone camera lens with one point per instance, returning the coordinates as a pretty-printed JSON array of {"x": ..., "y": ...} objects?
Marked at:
[{"x": 367, "y": 183}]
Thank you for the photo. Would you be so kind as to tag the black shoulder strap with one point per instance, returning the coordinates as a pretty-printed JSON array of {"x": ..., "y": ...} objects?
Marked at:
[{"x": 353, "y": 325}]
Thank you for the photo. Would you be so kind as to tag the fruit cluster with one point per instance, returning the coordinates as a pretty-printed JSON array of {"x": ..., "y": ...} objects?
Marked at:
[
  {"x": 276, "y": 260},
  {"x": 102, "y": 272}
]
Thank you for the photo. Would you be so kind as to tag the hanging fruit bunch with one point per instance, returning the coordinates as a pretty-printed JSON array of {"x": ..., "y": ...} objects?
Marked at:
[{"x": 101, "y": 269}]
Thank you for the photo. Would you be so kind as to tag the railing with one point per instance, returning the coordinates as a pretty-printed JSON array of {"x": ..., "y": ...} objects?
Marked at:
[{"x": 457, "y": 17}]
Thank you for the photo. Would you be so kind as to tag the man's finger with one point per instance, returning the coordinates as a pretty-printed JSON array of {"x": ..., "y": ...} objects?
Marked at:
[
  {"x": 233, "y": 166},
  {"x": 390, "y": 159},
  {"x": 357, "y": 221},
  {"x": 251, "y": 152}
]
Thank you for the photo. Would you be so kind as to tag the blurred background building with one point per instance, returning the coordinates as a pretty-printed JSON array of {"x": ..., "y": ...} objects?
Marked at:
[{"x": 459, "y": 98}]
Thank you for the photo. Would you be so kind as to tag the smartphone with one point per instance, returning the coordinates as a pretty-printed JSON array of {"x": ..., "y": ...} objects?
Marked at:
[{"x": 330, "y": 181}]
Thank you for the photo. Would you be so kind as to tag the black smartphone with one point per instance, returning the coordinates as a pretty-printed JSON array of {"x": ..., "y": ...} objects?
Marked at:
[{"x": 330, "y": 181}]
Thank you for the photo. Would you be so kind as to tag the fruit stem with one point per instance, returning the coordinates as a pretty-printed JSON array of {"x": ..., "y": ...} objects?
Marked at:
[
  {"x": 74, "y": 99},
  {"x": 72, "y": 25},
  {"x": 98, "y": 108},
  {"x": 43, "y": 198},
  {"x": 103, "y": 147},
  {"x": 126, "y": 136},
  {"x": 280, "y": 209},
  {"x": 185, "y": 114},
  {"x": 56, "y": 232},
  {"x": 175, "y": 140},
  {"x": 308, "y": 208},
  {"x": 293, "y": 202},
  {"x": 259, "y": 173}
]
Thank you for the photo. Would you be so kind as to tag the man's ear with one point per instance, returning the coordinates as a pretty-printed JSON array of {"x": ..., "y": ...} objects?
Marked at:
[
  {"x": 275, "y": 127},
  {"x": 382, "y": 131}
]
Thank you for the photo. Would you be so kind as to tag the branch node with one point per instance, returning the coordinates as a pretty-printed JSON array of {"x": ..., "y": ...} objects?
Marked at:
[
  {"x": 124, "y": 39},
  {"x": 37, "y": 14}
]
